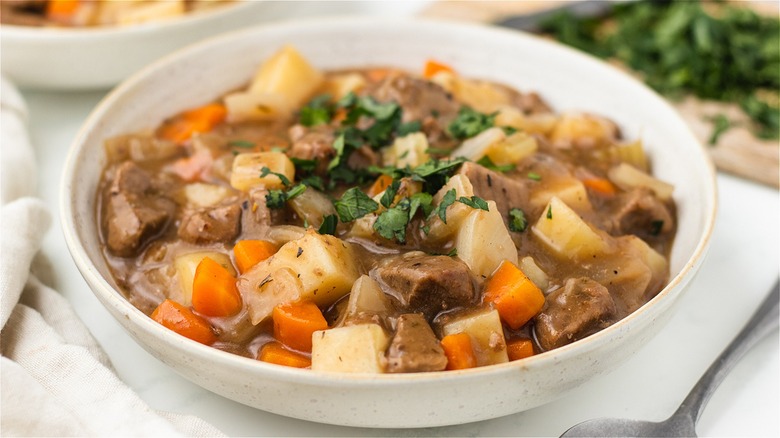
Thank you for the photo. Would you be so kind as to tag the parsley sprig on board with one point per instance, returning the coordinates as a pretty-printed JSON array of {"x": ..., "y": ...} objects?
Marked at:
[{"x": 720, "y": 52}]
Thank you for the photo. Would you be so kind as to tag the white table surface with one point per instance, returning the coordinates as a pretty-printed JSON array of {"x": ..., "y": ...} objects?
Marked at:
[{"x": 742, "y": 264}]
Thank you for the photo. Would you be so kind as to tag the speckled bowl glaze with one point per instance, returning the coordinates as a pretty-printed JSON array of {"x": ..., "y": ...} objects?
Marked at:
[
  {"x": 100, "y": 57},
  {"x": 566, "y": 78}
]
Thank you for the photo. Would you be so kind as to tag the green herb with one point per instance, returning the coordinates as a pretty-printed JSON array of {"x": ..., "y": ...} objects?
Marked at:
[
  {"x": 549, "y": 212},
  {"x": 387, "y": 118},
  {"x": 422, "y": 201},
  {"x": 241, "y": 144},
  {"x": 354, "y": 204},
  {"x": 469, "y": 123},
  {"x": 453, "y": 252},
  {"x": 656, "y": 227},
  {"x": 328, "y": 225},
  {"x": 391, "y": 224},
  {"x": 508, "y": 130},
  {"x": 318, "y": 111},
  {"x": 426, "y": 229},
  {"x": 276, "y": 198},
  {"x": 474, "y": 202},
  {"x": 304, "y": 166},
  {"x": 404, "y": 154},
  {"x": 517, "y": 221},
  {"x": 488, "y": 163},
  {"x": 446, "y": 201},
  {"x": 407, "y": 128},
  {"x": 389, "y": 194},
  {"x": 721, "y": 52},
  {"x": 314, "y": 182},
  {"x": 433, "y": 167},
  {"x": 437, "y": 151},
  {"x": 720, "y": 124},
  {"x": 534, "y": 176},
  {"x": 266, "y": 171}
]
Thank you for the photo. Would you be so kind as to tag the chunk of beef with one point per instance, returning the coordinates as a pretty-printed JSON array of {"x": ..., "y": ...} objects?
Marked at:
[
  {"x": 135, "y": 212},
  {"x": 363, "y": 157},
  {"x": 578, "y": 309},
  {"x": 314, "y": 143},
  {"x": 211, "y": 224},
  {"x": 507, "y": 192},
  {"x": 641, "y": 213},
  {"x": 530, "y": 103},
  {"x": 427, "y": 284},
  {"x": 256, "y": 217},
  {"x": 414, "y": 347}
]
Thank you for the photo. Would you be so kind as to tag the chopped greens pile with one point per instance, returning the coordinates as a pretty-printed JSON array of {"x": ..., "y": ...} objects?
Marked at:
[{"x": 711, "y": 50}]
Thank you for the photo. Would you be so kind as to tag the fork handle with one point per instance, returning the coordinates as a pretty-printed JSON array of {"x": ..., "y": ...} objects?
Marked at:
[{"x": 764, "y": 321}]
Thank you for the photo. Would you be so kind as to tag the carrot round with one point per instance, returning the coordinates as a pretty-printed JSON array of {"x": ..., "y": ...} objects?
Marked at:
[
  {"x": 380, "y": 185},
  {"x": 459, "y": 351},
  {"x": 62, "y": 11},
  {"x": 275, "y": 353},
  {"x": 180, "y": 319},
  {"x": 432, "y": 67},
  {"x": 214, "y": 291},
  {"x": 294, "y": 323},
  {"x": 602, "y": 186},
  {"x": 202, "y": 119},
  {"x": 518, "y": 349},
  {"x": 513, "y": 294},
  {"x": 251, "y": 252}
]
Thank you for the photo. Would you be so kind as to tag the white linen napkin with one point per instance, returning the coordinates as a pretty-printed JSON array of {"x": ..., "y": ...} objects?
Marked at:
[{"x": 56, "y": 380}]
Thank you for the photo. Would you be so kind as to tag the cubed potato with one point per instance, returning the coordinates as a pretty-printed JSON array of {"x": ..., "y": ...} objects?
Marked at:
[
  {"x": 483, "y": 96},
  {"x": 242, "y": 106},
  {"x": 186, "y": 264},
  {"x": 512, "y": 149},
  {"x": 312, "y": 206},
  {"x": 324, "y": 264},
  {"x": 277, "y": 287},
  {"x": 478, "y": 146},
  {"x": 409, "y": 150},
  {"x": 627, "y": 177},
  {"x": 281, "y": 234},
  {"x": 339, "y": 85},
  {"x": 350, "y": 349},
  {"x": 483, "y": 241},
  {"x": 583, "y": 130},
  {"x": 289, "y": 75},
  {"x": 633, "y": 153},
  {"x": 486, "y": 332},
  {"x": 541, "y": 123},
  {"x": 205, "y": 195},
  {"x": 534, "y": 272},
  {"x": 366, "y": 299},
  {"x": 569, "y": 190},
  {"x": 247, "y": 169},
  {"x": 566, "y": 233},
  {"x": 439, "y": 231}
]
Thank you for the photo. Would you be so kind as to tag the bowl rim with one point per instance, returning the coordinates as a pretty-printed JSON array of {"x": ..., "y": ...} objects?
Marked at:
[
  {"x": 42, "y": 33},
  {"x": 113, "y": 297}
]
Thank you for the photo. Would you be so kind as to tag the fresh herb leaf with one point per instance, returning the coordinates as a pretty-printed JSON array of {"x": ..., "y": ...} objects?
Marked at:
[
  {"x": 354, "y": 204},
  {"x": 266, "y": 171},
  {"x": 314, "y": 182},
  {"x": 328, "y": 225},
  {"x": 534, "y": 176},
  {"x": 422, "y": 201},
  {"x": 295, "y": 191},
  {"x": 720, "y": 124},
  {"x": 432, "y": 167},
  {"x": 276, "y": 198},
  {"x": 469, "y": 123},
  {"x": 474, "y": 202},
  {"x": 407, "y": 128},
  {"x": 304, "y": 166},
  {"x": 318, "y": 111},
  {"x": 446, "y": 201},
  {"x": 517, "y": 221},
  {"x": 241, "y": 144},
  {"x": 391, "y": 224},
  {"x": 438, "y": 151},
  {"x": 389, "y": 194},
  {"x": 453, "y": 252},
  {"x": 488, "y": 163},
  {"x": 508, "y": 130},
  {"x": 549, "y": 212}
]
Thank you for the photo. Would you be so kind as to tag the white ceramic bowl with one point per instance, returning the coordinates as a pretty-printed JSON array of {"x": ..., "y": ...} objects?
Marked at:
[
  {"x": 100, "y": 57},
  {"x": 568, "y": 79}
]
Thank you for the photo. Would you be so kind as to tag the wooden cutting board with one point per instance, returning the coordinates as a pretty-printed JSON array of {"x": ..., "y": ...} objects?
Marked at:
[{"x": 737, "y": 152}]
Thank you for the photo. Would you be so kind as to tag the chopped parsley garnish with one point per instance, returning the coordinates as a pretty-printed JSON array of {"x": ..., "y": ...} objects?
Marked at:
[
  {"x": 314, "y": 182},
  {"x": 469, "y": 123},
  {"x": 474, "y": 202},
  {"x": 389, "y": 194},
  {"x": 354, "y": 204},
  {"x": 303, "y": 166},
  {"x": 549, "y": 212},
  {"x": 488, "y": 163},
  {"x": 446, "y": 201},
  {"x": 438, "y": 151},
  {"x": 318, "y": 111},
  {"x": 266, "y": 171},
  {"x": 517, "y": 221},
  {"x": 453, "y": 252},
  {"x": 391, "y": 223},
  {"x": 328, "y": 225},
  {"x": 241, "y": 144},
  {"x": 508, "y": 130},
  {"x": 720, "y": 124},
  {"x": 276, "y": 198},
  {"x": 408, "y": 128},
  {"x": 534, "y": 176},
  {"x": 422, "y": 201}
]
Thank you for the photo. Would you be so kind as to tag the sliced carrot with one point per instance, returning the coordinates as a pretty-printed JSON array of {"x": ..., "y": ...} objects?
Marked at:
[
  {"x": 378, "y": 74},
  {"x": 340, "y": 115},
  {"x": 513, "y": 294},
  {"x": 202, "y": 119},
  {"x": 274, "y": 352},
  {"x": 194, "y": 167},
  {"x": 214, "y": 291},
  {"x": 600, "y": 185},
  {"x": 294, "y": 323},
  {"x": 432, "y": 67},
  {"x": 62, "y": 11},
  {"x": 519, "y": 349},
  {"x": 180, "y": 319},
  {"x": 459, "y": 351},
  {"x": 380, "y": 185},
  {"x": 251, "y": 252}
]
